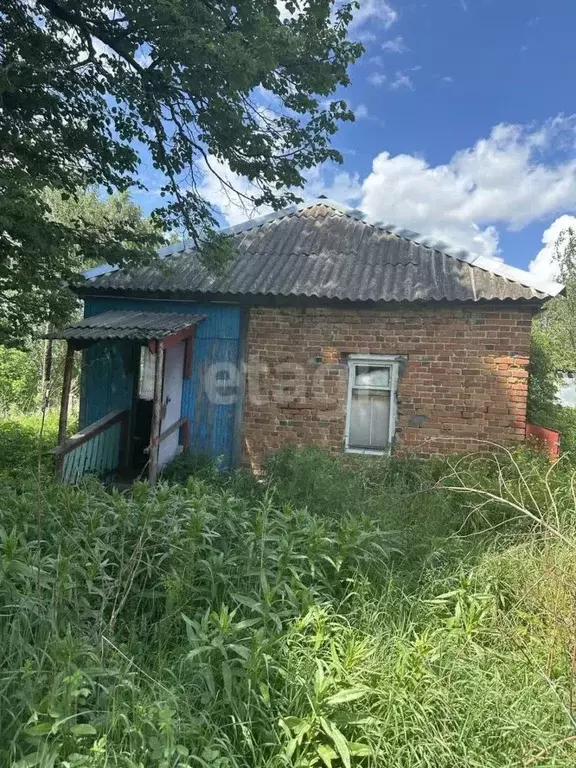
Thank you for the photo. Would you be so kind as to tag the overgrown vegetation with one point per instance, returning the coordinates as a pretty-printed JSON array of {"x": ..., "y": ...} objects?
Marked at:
[
  {"x": 24, "y": 445},
  {"x": 327, "y": 615},
  {"x": 554, "y": 348}
]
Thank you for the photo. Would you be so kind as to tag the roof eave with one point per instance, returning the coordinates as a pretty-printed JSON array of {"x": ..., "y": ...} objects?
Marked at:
[{"x": 267, "y": 299}]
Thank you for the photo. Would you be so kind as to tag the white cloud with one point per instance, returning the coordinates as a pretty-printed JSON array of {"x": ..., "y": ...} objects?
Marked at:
[
  {"x": 397, "y": 45},
  {"x": 231, "y": 193},
  {"x": 334, "y": 183},
  {"x": 503, "y": 179},
  {"x": 507, "y": 179},
  {"x": 374, "y": 12},
  {"x": 402, "y": 80},
  {"x": 543, "y": 265},
  {"x": 369, "y": 12},
  {"x": 377, "y": 78},
  {"x": 360, "y": 110}
]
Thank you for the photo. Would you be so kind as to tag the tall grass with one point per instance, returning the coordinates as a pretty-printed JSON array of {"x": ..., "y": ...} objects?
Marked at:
[
  {"x": 336, "y": 614},
  {"x": 24, "y": 440}
]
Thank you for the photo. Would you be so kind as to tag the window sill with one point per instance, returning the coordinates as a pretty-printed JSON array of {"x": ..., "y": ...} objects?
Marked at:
[{"x": 368, "y": 451}]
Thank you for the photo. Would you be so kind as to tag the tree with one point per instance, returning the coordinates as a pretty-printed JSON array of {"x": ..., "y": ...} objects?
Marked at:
[
  {"x": 558, "y": 321},
  {"x": 554, "y": 348},
  {"x": 18, "y": 380},
  {"x": 89, "y": 89},
  {"x": 81, "y": 230}
]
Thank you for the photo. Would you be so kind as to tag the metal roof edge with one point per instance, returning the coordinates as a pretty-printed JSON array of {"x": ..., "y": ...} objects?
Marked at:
[
  {"x": 101, "y": 269},
  {"x": 500, "y": 268},
  {"x": 294, "y": 299}
]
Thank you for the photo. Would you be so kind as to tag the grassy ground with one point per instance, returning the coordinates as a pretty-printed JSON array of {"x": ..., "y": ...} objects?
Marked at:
[
  {"x": 25, "y": 440},
  {"x": 335, "y": 614}
]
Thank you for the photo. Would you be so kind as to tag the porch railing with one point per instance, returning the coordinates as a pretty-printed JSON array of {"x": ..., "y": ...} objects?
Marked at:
[
  {"x": 180, "y": 425},
  {"x": 95, "y": 449}
]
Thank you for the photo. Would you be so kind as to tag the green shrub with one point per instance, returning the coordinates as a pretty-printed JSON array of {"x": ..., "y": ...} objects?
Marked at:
[
  {"x": 24, "y": 444},
  {"x": 337, "y": 613},
  {"x": 19, "y": 377},
  {"x": 188, "y": 465}
]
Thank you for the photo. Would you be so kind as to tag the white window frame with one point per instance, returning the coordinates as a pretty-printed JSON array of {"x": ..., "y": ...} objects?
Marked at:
[{"x": 392, "y": 363}]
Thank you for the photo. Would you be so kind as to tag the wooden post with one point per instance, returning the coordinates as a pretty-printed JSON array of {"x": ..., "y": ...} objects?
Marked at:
[
  {"x": 46, "y": 373},
  {"x": 156, "y": 415},
  {"x": 66, "y": 384}
]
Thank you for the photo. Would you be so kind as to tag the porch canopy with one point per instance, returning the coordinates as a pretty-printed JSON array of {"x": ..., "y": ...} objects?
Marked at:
[
  {"x": 159, "y": 330},
  {"x": 164, "y": 328}
]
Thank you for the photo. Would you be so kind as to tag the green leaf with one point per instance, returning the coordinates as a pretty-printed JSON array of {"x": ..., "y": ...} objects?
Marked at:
[
  {"x": 292, "y": 722},
  {"x": 245, "y": 623},
  {"x": 350, "y": 694},
  {"x": 84, "y": 729},
  {"x": 249, "y": 602},
  {"x": 227, "y": 679},
  {"x": 338, "y": 739},
  {"x": 34, "y": 758},
  {"x": 40, "y": 729},
  {"x": 360, "y": 750},
  {"x": 326, "y": 754},
  {"x": 242, "y": 651},
  {"x": 197, "y": 651}
]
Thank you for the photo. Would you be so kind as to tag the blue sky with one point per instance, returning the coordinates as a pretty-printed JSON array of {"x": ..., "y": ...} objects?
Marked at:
[{"x": 466, "y": 125}]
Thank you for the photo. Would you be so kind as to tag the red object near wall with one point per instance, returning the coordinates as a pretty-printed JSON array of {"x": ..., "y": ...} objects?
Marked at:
[{"x": 549, "y": 439}]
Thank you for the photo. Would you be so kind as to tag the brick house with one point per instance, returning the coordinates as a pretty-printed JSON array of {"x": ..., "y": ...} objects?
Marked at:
[{"x": 326, "y": 328}]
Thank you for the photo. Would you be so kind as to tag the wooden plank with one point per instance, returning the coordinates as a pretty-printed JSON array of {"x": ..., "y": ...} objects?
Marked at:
[
  {"x": 167, "y": 432},
  {"x": 82, "y": 460},
  {"x": 73, "y": 460},
  {"x": 156, "y": 416},
  {"x": 65, "y": 400},
  {"x": 90, "y": 431},
  {"x": 188, "y": 355},
  {"x": 89, "y": 461},
  {"x": 65, "y": 468},
  {"x": 238, "y": 433},
  {"x": 98, "y": 454},
  {"x": 101, "y": 452},
  {"x": 185, "y": 435},
  {"x": 104, "y": 450},
  {"x": 176, "y": 338},
  {"x": 109, "y": 438}
]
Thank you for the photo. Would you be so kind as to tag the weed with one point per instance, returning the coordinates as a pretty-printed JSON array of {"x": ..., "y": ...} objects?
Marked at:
[{"x": 337, "y": 614}]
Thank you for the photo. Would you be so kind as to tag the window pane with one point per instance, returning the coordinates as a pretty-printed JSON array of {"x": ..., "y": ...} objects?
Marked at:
[
  {"x": 146, "y": 380},
  {"x": 372, "y": 376},
  {"x": 369, "y": 420}
]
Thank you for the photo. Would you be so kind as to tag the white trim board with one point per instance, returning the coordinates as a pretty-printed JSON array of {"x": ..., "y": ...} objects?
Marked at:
[{"x": 389, "y": 361}]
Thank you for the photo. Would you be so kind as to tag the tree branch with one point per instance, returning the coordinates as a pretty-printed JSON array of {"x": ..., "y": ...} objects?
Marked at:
[{"x": 77, "y": 21}]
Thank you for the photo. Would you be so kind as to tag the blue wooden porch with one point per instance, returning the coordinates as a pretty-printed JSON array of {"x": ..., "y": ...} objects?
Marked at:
[{"x": 124, "y": 340}]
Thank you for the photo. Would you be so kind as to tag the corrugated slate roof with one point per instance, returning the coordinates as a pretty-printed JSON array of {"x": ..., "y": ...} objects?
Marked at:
[
  {"x": 323, "y": 251},
  {"x": 139, "y": 326}
]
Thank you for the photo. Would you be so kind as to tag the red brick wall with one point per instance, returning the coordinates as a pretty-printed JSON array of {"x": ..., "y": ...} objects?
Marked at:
[{"x": 465, "y": 378}]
